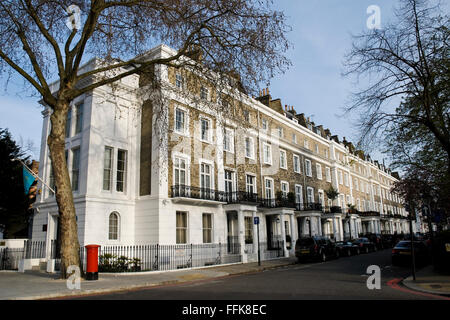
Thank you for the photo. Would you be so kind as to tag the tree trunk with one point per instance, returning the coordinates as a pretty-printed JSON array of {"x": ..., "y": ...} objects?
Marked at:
[{"x": 64, "y": 197}]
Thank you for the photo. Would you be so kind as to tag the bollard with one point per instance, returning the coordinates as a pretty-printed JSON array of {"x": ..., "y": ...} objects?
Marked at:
[{"x": 92, "y": 262}]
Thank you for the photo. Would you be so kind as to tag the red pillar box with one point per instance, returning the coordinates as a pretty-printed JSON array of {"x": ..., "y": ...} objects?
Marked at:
[{"x": 92, "y": 262}]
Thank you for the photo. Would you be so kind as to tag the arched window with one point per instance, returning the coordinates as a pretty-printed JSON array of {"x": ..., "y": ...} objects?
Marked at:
[{"x": 113, "y": 226}]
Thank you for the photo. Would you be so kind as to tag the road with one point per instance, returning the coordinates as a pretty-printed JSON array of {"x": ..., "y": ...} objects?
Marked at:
[{"x": 344, "y": 278}]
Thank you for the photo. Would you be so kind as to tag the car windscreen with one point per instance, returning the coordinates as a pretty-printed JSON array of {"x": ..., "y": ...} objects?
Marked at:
[{"x": 403, "y": 244}]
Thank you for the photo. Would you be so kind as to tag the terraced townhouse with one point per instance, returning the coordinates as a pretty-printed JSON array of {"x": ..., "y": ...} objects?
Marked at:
[{"x": 160, "y": 164}]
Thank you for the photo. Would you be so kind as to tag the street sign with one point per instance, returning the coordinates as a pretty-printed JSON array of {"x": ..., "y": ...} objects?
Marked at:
[{"x": 256, "y": 220}]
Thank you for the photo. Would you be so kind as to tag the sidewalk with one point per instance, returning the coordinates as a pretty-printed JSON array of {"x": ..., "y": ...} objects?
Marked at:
[
  {"x": 33, "y": 285},
  {"x": 428, "y": 281}
]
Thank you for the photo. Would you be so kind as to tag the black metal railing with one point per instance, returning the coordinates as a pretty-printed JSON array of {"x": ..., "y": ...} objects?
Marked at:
[
  {"x": 197, "y": 193},
  {"x": 272, "y": 249},
  {"x": 309, "y": 207},
  {"x": 241, "y": 197},
  {"x": 10, "y": 257},
  {"x": 369, "y": 214},
  {"x": 34, "y": 249},
  {"x": 153, "y": 257},
  {"x": 277, "y": 203},
  {"x": 214, "y": 195}
]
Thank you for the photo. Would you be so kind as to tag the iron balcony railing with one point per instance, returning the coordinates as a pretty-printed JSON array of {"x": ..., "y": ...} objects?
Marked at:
[
  {"x": 369, "y": 214},
  {"x": 277, "y": 203},
  {"x": 241, "y": 197},
  {"x": 214, "y": 195},
  {"x": 197, "y": 193},
  {"x": 309, "y": 207}
]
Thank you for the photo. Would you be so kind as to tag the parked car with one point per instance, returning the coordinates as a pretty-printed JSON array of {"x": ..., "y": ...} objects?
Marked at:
[
  {"x": 388, "y": 240},
  {"x": 401, "y": 253},
  {"x": 376, "y": 239},
  {"x": 317, "y": 248},
  {"x": 347, "y": 248},
  {"x": 365, "y": 245}
]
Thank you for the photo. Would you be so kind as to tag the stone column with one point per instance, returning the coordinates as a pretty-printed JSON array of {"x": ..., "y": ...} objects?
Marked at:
[
  {"x": 319, "y": 223},
  {"x": 283, "y": 234},
  {"x": 334, "y": 227},
  {"x": 293, "y": 233},
  {"x": 241, "y": 235},
  {"x": 352, "y": 224}
]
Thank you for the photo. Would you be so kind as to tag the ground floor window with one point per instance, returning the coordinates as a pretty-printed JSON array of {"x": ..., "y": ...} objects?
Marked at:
[
  {"x": 207, "y": 228},
  {"x": 181, "y": 228},
  {"x": 113, "y": 226}
]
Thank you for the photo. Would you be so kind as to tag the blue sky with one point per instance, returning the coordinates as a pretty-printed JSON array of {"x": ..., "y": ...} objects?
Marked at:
[{"x": 321, "y": 35}]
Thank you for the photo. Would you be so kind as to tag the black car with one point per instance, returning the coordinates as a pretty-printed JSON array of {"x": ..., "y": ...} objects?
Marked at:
[
  {"x": 347, "y": 248},
  {"x": 387, "y": 240},
  {"x": 401, "y": 253},
  {"x": 365, "y": 245},
  {"x": 316, "y": 248}
]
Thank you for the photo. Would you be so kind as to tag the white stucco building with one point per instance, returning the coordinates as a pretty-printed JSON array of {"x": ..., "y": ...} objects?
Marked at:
[{"x": 133, "y": 186}]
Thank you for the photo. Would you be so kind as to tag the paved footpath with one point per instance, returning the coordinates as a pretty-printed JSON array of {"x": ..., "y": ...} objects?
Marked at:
[
  {"x": 33, "y": 285},
  {"x": 428, "y": 281}
]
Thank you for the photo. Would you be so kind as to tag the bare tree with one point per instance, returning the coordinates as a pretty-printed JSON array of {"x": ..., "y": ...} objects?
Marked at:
[
  {"x": 247, "y": 36},
  {"x": 408, "y": 59}
]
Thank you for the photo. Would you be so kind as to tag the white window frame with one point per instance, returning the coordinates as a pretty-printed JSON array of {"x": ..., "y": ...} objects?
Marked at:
[
  {"x": 296, "y": 162},
  {"x": 254, "y": 185},
  {"x": 179, "y": 79},
  {"x": 269, "y": 160},
  {"x": 272, "y": 188},
  {"x": 186, "y": 229},
  {"x": 209, "y": 133},
  {"x": 211, "y": 229},
  {"x": 204, "y": 90},
  {"x": 307, "y": 194},
  {"x": 328, "y": 174},
  {"x": 283, "y": 165},
  {"x": 251, "y": 146},
  {"x": 280, "y": 132},
  {"x": 264, "y": 124},
  {"x": 308, "y": 168},
  {"x": 118, "y": 226},
  {"x": 285, "y": 192},
  {"x": 186, "y": 158},
  {"x": 297, "y": 187},
  {"x": 319, "y": 171},
  {"x": 230, "y": 133},
  {"x": 211, "y": 174},
  {"x": 185, "y": 131}
]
